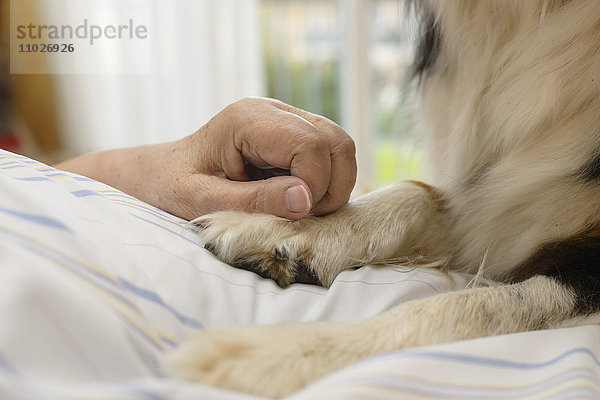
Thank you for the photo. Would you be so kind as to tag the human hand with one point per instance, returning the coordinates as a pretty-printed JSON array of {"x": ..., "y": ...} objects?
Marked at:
[
  {"x": 262, "y": 155},
  {"x": 256, "y": 155}
]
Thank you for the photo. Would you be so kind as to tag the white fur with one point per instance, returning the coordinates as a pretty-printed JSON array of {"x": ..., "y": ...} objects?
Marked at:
[
  {"x": 276, "y": 360},
  {"x": 512, "y": 110},
  {"x": 514, "y": 98},
  {"x": 405, "y": 224}
]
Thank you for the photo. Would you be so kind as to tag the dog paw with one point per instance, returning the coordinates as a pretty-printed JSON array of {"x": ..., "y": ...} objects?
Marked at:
[
  {"x": 270, "y": 246},
  {"x": 271, "y": 361}
]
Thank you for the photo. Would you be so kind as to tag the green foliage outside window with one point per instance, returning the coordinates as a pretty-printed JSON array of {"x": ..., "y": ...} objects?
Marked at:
[{"x": 314, "y": 85}]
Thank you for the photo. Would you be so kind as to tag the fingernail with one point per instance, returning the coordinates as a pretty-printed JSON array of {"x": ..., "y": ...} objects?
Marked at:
[{"x": 297, "y": 199}]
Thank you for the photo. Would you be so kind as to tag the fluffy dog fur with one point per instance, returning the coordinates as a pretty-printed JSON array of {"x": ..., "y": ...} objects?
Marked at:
[{"x": 510, "y": 95}]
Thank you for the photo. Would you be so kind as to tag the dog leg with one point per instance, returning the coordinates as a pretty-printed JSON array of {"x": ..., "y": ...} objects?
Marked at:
[
  {"x": 402, "y": 221},
  {"x": 276, "y": 360}
]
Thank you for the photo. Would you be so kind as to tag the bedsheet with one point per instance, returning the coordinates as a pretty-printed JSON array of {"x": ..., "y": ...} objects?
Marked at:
[{"x": 96, "y": 286}]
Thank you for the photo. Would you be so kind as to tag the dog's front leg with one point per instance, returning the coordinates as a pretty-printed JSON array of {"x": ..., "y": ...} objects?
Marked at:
[
  {"x": 277, "y": 360},
  {"x": 402, "y": 221}
]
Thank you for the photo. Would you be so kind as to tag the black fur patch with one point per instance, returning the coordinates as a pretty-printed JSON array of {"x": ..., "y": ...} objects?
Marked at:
[
  {"x": 253, "y": 267},
  {"x": 429, "y": 41},
  {"x": 591, "y": 172},
  {"x": 305, "y": 275},
  {"x": 574, "y": 262}
]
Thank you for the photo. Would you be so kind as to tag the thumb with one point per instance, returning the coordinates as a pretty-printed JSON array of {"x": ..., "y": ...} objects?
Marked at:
[{"x": 284, "y": 196}]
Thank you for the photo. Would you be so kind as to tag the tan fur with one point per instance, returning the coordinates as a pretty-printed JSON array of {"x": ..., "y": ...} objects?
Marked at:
[
  {"x": 276, "y": 360},
  {"x": 512, "y": 113},
  {"x": 402, "y": 220},
  {"x": 511, "y": 108}
]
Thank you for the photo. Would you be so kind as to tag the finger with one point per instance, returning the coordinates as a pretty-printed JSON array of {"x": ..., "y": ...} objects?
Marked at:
[
  {"x": 287, "y": 141},
  {"x": 311, "y": 162},
  {"x": 284, "y": 196},
  {"x": 343, "y": 178},
  {"x": 343, "y": 159}
]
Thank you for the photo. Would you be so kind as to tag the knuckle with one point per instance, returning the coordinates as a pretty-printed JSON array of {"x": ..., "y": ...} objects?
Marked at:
[
  {"x": 276, "y": 102},
  {"x": 316, "y": 143},
  {"x": 247, "y": 100},
  {"x": 347, "y": 146},
  {"x": 238, "y": 104},
  {"x": 245, "y": 103}
]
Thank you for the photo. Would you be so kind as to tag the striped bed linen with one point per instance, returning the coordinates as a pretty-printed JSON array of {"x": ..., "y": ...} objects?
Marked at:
[{"x": 97, "y": 286}]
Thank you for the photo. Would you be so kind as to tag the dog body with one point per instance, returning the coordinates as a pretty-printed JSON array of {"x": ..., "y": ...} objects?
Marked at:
[{"x": 510, "y": 100}]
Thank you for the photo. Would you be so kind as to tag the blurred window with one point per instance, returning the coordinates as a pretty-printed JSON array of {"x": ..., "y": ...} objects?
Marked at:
[{"x": 347, "y": 60}]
